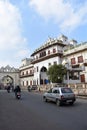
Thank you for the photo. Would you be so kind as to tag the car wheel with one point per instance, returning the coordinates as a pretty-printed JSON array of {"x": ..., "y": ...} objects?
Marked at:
[
  {"x": 44, "y": 99},
  {"x": 58, "y": 103}
]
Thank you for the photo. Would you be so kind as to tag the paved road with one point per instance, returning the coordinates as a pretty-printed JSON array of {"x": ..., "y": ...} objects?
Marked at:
[{"x": 31, "y": 113}]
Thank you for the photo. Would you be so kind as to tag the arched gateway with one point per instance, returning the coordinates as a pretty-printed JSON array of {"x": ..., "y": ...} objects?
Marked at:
[
  {"x": 9, "y": 76},
  {"x": 43, "y": 76}
]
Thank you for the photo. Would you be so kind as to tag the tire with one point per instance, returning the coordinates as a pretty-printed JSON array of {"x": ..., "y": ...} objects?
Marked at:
[
  {"x": 44, "y": 99},
  {"x": 58, "y": 103}
]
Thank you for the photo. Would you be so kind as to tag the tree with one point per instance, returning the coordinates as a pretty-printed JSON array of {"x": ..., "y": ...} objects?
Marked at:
[{"x": 56, "y": 73}]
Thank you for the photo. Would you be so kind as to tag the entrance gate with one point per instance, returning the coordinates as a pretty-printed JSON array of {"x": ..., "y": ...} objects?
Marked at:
[{"x": 9, "y": 76}]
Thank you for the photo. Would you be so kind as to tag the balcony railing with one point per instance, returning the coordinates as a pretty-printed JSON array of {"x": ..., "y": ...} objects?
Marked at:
[
  {"x": 76, "y": 48},
  {"x": 70, "y": 68},
  {"x": 70, "y": 81},
  {"x": 26, "y": 75},
  {"x": 48, "y": 55}
]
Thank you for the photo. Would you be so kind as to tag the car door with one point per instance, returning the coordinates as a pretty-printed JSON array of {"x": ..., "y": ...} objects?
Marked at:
[
  {"x": 55, "y": 94},
  {"x": 49, "y": 95}
]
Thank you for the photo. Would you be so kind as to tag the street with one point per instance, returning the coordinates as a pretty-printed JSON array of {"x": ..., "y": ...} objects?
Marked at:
[{"x": 31, "y": 113}]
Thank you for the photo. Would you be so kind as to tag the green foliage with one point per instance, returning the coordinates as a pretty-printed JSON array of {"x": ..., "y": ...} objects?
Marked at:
[{"x": 56, "y": 73}]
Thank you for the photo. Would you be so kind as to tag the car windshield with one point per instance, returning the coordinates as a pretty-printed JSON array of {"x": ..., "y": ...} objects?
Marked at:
[{"x": 66, "y": 90}]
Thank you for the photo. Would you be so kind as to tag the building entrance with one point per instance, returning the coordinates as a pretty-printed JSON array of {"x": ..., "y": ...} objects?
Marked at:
[
  {"x": 7, "y": 81},
  {"x": 43, "y": 75},
  {"x": 9, "y": 76}
]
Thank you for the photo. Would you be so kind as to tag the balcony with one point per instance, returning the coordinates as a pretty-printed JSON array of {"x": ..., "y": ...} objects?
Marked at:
[
  {"x": 70, "y": 81},
  {"x": 26, "y": 75},
  {"x": 76, "y": 67},
  {"x": 47, "y": 56},
  {"x": 77, "y": 48}
]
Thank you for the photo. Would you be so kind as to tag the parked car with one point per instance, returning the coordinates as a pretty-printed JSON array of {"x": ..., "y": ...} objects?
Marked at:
[
  {"x": 33, "y": 87},
  {"x": 29, "y": 88},
  {"x": 60, "y": 95}
]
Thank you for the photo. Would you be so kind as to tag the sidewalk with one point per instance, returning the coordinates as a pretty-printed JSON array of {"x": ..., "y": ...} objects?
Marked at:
[{"x": 81, "y": 96}]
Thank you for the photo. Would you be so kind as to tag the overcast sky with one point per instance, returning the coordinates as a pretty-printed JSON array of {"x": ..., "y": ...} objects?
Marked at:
[{"x": 26, "y": 24}]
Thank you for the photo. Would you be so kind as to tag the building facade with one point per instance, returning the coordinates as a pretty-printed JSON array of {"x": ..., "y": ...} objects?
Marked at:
[
  {"x": 55, "y": 51},
  {"x": 26, "y": 73},
  {"x": 9, "y": 76},
  {"x": 75, "y": 58}
]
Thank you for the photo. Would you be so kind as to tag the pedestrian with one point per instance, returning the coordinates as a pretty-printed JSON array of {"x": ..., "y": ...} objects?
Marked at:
[{"x": 8, "y": 88}]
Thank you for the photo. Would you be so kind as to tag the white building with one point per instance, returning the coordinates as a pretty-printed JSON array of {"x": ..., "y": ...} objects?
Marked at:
[
  {"x": 76, "y": 62},
  {"x": 55, "y": 51},
  {"x": 26, "y": 73}
]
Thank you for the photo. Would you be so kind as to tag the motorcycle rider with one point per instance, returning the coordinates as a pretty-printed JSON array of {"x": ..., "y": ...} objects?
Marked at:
[
  {"x": 17, "y": 89},
  {"x": 8, "y": 88}
]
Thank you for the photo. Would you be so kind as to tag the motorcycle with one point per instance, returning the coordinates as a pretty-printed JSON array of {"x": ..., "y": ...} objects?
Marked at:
[{"x": 18, "y": 95}]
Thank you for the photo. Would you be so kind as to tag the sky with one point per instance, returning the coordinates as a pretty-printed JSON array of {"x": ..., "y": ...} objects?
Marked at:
[{"x": 25, "y": 25}]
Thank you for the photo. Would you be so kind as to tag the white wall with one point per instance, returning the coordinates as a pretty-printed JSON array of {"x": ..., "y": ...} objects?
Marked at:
[{"x": 45, "y": 64}]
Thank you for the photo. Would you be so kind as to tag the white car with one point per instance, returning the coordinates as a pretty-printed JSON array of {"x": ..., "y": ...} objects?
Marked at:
[{"x": 60, "y": 95}]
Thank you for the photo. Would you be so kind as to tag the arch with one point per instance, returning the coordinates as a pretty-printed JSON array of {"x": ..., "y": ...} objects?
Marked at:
[
  {"x": 9, "y": 75},
  {"x": 43, "y": 75},
  {"x": 7, "y": 80},
  {"x": 43, "y": 69}
]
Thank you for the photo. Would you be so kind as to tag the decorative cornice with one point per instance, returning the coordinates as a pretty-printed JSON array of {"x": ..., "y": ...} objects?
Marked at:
[
  {"x": 8, "y": 69},
  {"x": 47, "y": 45}
]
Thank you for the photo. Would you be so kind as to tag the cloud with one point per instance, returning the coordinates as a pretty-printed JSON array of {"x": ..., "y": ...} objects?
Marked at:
[
  {"x": 11, "y": 39},
  {"x": 22, "y": 53},
  {"x": 67, "y": 14}
]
